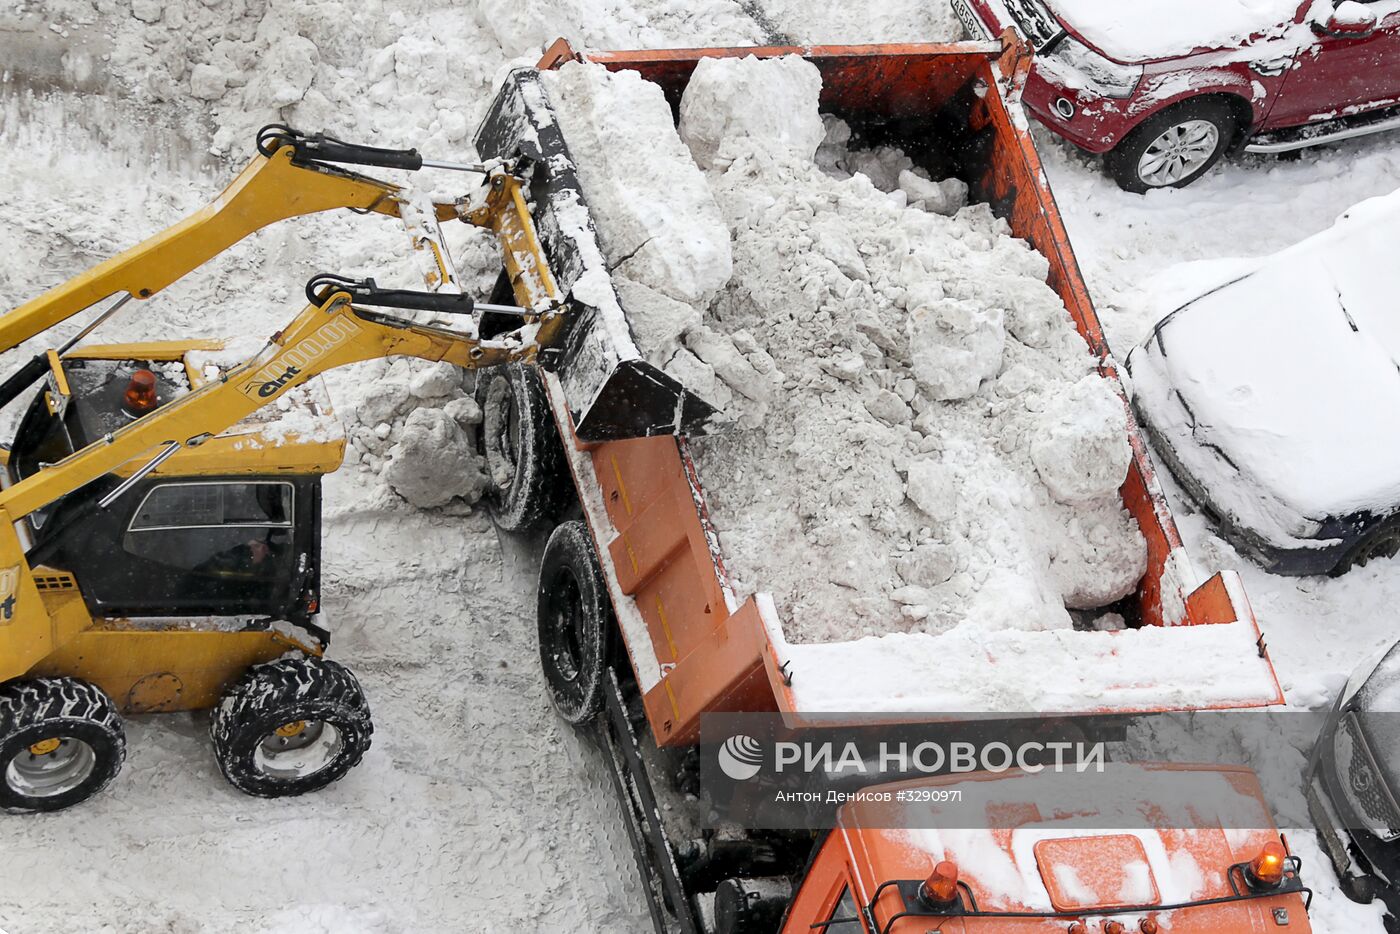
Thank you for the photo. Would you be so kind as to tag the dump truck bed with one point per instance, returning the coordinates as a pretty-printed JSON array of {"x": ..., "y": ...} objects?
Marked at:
[{"x": 695, "y": 647}]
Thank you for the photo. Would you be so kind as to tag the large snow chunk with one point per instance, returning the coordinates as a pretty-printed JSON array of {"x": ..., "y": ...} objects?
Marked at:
[
  {"x": 1081, "y": 451},
  {"x": 434, "y": 461},
  {"x": 286, "y": 72},
  {"x": 657, "y": 222},
  {"x": 771, "y": 100},
  {"x": 954, "y": 345}
]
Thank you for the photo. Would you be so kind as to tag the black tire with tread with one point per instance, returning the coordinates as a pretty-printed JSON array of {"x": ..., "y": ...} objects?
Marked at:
[
  {"x": 1380, "y": 542},
  {"x": 537, "y": 487},
  {"x": 43, "y": 708},
  {"x": 280, "y": 692},
  {"x": 1122, "y": 161},
  {"x": 575, "y": 622}
]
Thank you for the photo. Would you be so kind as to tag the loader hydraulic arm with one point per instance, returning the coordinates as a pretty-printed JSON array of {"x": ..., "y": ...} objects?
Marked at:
[
  {"x": 323, "y": 336},
  {"x": 289, "y": 177}
]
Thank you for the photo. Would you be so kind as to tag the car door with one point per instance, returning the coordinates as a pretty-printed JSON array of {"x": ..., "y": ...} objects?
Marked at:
[{"x": 1340, "y": 75}]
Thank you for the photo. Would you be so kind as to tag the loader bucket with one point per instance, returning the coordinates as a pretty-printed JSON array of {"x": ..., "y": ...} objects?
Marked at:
[{"x": 612, "y": 393}]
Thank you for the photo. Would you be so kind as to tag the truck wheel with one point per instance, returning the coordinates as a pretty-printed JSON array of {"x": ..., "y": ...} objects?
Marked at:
[
  {"x": 61, "y": 742},
  {"x": 1382, "y": 541},
  {"x": 1173, "y": 148},
  {"x": 524, "y": 456},
  {"x": 291, "y": 726},
  {"x": 575, "y": 618}
]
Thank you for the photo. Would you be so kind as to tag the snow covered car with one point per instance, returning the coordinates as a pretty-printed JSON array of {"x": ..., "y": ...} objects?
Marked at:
[
  {"x": 1353, "y": 783},
  {"x": 1164, "y": 88},
  {"x": 1272, "y": 398}
]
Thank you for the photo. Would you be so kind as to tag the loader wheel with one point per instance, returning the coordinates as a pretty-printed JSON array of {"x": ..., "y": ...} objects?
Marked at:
[
  {"x": 575, "y": 618},
  {"x": 61, "y": 742},
  {"x": 524, "y": 456},
  {"x": 291, "y": 726}
]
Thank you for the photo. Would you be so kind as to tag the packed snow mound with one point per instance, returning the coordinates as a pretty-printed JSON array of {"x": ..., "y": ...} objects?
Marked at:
[
  {"x": 920, "y": 356},
  {"x": 1081, "y": 451},
  {"x": 434, "y": 461},
  {"x": 772, "y": 100},
  {"x": 656, "y": 219}
]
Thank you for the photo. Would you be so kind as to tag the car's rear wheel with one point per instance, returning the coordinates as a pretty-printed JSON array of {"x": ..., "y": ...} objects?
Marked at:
[{"x": 1173, "y": 148}]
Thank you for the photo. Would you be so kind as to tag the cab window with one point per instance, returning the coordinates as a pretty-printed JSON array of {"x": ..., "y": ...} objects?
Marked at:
[
  {"x": 220, "y": 530},
  {"x": 845, "y": 917}
]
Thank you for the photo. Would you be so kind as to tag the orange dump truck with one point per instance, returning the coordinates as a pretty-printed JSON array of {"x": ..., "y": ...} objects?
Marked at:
[{"x": 641, "y": 632}]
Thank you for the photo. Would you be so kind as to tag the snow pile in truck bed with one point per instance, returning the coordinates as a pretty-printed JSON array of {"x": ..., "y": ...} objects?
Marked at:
[
  {"x": 893, "y": 483},
  {"x": 720, "y": 105}
]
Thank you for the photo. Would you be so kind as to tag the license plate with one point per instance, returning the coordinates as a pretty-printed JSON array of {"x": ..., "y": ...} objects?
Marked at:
[{"x": 970, "y": 20}]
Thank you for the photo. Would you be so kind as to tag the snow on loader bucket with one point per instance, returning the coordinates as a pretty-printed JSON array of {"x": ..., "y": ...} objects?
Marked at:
[
  {"x": 610, "y": 390},
  {"x": 694, "y": 647}
]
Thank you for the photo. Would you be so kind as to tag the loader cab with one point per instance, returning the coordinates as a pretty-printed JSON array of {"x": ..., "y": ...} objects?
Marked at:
[{"x": 230, "y": 528}]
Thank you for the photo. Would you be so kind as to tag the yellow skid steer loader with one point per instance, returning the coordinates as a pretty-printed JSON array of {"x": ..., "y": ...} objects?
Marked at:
[{"x": 158, "y": 553}]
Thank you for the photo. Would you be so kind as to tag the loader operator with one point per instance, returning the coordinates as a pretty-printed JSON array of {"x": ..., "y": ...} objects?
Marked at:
[{"x": 255, "y": 558}]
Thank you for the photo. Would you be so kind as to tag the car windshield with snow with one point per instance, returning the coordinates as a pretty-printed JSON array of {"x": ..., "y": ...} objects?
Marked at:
[{"x": 1263, "y": 396}]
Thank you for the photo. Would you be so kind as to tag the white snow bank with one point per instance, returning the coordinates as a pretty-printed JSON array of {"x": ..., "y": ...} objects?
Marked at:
[
  {"x": 1058, "y": 671},
  {"x": 656, "y": 219},
  {"x": 1283, "y": 372},
  {"x": 1162, "y": 28},
  {"x": 772, "y": 101}
]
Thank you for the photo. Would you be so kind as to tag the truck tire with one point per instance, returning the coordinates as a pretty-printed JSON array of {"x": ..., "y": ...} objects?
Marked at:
[
  {"x": 525, "y": 463},
  {"x": 61, "y": 742},
  {"x": 290, "y": 726},
  {"x": 1173, "y": 148},
  {"x": 575, "y": 620}
]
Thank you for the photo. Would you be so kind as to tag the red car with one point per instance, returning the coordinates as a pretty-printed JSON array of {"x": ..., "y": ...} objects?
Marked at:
[{"x": 1163, "y": 88}]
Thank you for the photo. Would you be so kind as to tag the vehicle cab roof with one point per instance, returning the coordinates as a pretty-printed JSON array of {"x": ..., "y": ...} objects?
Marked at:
[{"x": 1037, "y": 842}]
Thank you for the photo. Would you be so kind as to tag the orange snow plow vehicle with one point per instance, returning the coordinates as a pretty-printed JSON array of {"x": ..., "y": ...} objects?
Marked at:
[{"x": 642, "y": 634}]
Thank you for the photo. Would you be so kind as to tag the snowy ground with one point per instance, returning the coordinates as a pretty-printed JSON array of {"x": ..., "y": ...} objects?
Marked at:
[{"x": 474, "y": 809}]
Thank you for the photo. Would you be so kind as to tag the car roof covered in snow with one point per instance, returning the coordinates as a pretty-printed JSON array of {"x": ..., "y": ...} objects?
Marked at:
[
  {"x": 1291, "y": 374},
  {"x": 1155, "y": 29}
]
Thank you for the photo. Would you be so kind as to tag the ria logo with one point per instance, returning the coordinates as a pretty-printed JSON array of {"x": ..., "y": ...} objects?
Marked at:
[{"x": 741, "y": 757}]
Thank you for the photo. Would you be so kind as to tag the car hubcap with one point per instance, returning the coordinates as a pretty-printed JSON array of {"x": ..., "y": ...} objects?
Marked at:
[
  {"x": 1180, "y": 152},
  {"x": 298, "y": 748},
  {"x": 50, "y": 767}
]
